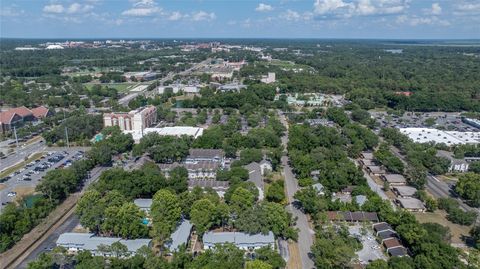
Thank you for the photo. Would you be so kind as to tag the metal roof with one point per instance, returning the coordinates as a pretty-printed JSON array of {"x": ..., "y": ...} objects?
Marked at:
[
  {"x": 238, "y": 238},
  {"x": 143, "y": 203},
  {"x": 88, "y": 241},
  {"x": 180, "y": 236}
]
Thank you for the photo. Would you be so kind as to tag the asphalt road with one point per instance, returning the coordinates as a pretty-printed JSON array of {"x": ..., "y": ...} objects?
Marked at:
[
  {"x": 305, "y": 234},
  {"x": 49, "y": 244},
  {"x": 22, "y": 152}
]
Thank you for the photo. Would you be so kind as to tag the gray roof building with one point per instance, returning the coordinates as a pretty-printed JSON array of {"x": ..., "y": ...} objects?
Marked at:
[
  {"x": 411, "y": 204},
  {"x": 404, "y": 191},
  {"x": 255, "y": 176},
  {"x": 319, "y": 188},
  {"x": 213, "y": 155},
  {"x": 241, "y": 240},
  {"x": 88, "y": 241},
  {"x": 394, "y": 179},
  {"x": 361, "y": 199},
  {"x": 143, "y": 204},
  {"x": 180, "y": 236}
]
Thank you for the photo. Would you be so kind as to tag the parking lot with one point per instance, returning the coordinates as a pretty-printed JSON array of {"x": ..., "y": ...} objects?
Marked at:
[
  {"x": 371, "y": 248},
  {"x": 24, "y": 180},
  {"x": 451, "y": 121}
]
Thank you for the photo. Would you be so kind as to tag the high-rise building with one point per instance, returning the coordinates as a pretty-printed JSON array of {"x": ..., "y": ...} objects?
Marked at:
[{"x": 135, "y": 120}]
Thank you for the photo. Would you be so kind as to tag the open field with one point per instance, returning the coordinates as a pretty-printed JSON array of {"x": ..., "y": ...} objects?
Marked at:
[
  {"x": 121, "y": 87},
  {"x": 439, "y": 216}
]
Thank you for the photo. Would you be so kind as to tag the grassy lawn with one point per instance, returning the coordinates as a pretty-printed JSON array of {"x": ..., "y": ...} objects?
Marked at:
[
  {"x": 121, "y": 87},
  {"x": 439, "y": 217},
  {"x": 14, "y": 168}
]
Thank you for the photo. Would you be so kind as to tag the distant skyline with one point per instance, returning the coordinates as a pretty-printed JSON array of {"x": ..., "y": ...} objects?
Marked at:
[{"x": 366, "y": 19}]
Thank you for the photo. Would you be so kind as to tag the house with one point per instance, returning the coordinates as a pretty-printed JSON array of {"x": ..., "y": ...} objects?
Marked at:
[
  {"x": 244, "y": 241},
  {"x": 143, "y": 204},
  {"x": 269, "y": 78},
  {"x": 24, "y": 112},
  {"x": 218, "y": 186},
  {"x": 255, "y": 176},
  {"x": 315, "y": 174},
  {"x": 265, "y": 166},
  {"x": 205, "y": 155},
  {"x": 8, "y": 120},
  {"x": 361, "y": 199},
  {"x": 404, "y": 191},
  {"x": 411, "y": 204},
  {"x": 366, "y": 156},
  {"x": 367, "y": 162},
  {"x": 384, "y": 235},
  {"x": 319, "y": 188},
  {"x": 394, "y": 179},
  {"x": 381, "y": 227},
  {"x": 456, "y": 165},
  {"x": 41, "y": 112},
  {"x": 375, "y": 170},
  {"x": 180, "y": 236},
  {"x": 392, "y": 243},
  {"x": 75, "y": 242},
  {"x": 356, "y": 216},
  {"x": 348, "y": 190},
  {"x": 202, "y": 170},
  {"x": 398, "y": 252}
]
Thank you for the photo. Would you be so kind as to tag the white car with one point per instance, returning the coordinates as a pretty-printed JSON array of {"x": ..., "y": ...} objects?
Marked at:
[{"x": 11, "y": 194}]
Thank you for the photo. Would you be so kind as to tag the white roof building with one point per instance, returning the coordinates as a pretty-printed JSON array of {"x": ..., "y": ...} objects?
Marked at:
[
  {"x": 178, "y": 131},
  {"x": 243, "y": 241},
  {"x": 426, "y": 135},
  {"x": 75, "y": 242}
]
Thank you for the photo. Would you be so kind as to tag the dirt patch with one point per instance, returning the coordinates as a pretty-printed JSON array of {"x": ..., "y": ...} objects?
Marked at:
[
  {"x": 294, "y": 261},
  {"x": 439, "y": 216},
  {"x": 22, "y": 192},
  {"x": 2, "y": 186}
]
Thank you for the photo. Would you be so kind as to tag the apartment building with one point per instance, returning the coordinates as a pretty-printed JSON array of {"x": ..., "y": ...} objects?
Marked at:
[{"x": 135, "y": 120}]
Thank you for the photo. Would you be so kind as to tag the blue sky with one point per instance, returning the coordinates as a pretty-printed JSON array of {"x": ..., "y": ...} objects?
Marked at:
[{"x": 401, "y": 19}]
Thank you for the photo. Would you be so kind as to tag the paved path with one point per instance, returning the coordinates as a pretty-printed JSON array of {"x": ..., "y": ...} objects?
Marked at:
[{"x": 305, "y": 234}]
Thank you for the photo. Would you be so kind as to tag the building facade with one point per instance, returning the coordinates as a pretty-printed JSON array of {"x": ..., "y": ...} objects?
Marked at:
[{"x": 135, "y": 120}]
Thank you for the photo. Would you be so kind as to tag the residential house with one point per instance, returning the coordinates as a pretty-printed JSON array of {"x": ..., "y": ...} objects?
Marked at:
[
  {"x": 144, "y": 204},
  {"x": 375, "y": 170},
  {"x": 356, "y": 216},
  {"x": 265, "y": 167},
  {"x": 218, "y": 186},
  {"x": 361, "y": 199},
  {"x": 244, "y": 241},
  {"x": 255, "y": 176},
  {"x": 394, "y": 179},
  {"x": 319, "y": 188},
  {"x": 180, "y": 237},
  {"x": 411, "y": 204},
  {"x": 404, "y": 191},
  {"x": 201, "y": 170},
  {"x": 206, "y": 155},
  {"x": 75, "y": 242}
]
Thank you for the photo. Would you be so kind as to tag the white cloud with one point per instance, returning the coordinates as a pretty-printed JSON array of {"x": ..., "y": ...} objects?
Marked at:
[
  {"x": 436, "y": 9},
  {"x": 10, "y": 12},
  {"x": 203, "y": 16},
  {"x": 175, "y": 16},
  {"x": 54, "y": 8},
  {"x": 347, "y": 9},
  {"x": 291, "y": 15},
  {"x": 416, "y": 21},
  {"x": 142, "y": 8},
  {"x": 141, "y": 11},
  {"x": 467, "y": 8},
  {"x": 263, "y": 7},
  {"x": 76, "y": 8}
]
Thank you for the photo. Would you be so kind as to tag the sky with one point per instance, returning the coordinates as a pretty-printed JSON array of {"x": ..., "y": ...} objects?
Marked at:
[{"x": 380, "y": 19}]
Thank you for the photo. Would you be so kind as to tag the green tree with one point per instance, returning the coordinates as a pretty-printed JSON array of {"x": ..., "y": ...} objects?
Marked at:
[
  {"x": 202, "y": 215},
  {"x": 166, "y": 212},
  {"x": 257, "y": 264},
  {"x": 468, "y": 187},
  {"x": 241, "y": 200}
]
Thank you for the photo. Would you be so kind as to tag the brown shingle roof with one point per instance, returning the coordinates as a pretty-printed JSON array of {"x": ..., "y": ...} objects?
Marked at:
[
  {"x": 6, "y": 117},
  {"x": 22, "y": 111},
  {"x": 40, "y": 112},
  {"x": 392, "y": 243}
]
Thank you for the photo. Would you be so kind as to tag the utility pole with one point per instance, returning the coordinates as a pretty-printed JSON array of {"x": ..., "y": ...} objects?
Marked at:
[
  {"x": 66, "y": 129},
  {"x": 15, "y": 133}
]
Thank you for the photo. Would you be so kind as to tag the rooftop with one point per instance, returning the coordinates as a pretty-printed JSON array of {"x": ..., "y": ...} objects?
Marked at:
[
  {"x": 394, "y": 178},
  {"x": 143, "y": 203},
  {"x": 398, "y": 252},
  {"x": 425, "y": 135},
  {"x": 382, "y": 226},
  {"x": 411, "y": 203},
  {"x": 180, "y": 236},
  {"x": 205, "y": 153},
  {"x": 89, "y": 241},
  {"x": 392, "y": 243},
  {"x": 238, "y": 238},
  {"x": 405, "y": 190},
  {"x": 352, "y": 216}
]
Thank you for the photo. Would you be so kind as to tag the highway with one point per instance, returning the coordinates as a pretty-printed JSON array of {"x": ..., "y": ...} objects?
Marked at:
[
  {"x": 21, "y": 153},
  {"x": 305, "y": 233},
  {"x": 126, "y": 99}
]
